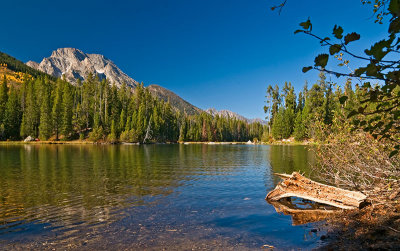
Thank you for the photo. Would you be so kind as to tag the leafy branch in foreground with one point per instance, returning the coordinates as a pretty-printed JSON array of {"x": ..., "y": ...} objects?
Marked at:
[{"x": 379, "y": 109}]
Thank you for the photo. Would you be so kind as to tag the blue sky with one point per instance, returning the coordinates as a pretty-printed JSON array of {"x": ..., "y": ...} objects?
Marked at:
[{"x": 213, "y": 53}]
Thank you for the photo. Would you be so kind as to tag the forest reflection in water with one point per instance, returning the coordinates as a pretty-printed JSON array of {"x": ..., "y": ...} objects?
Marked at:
[{"x": 146, "y": 196}]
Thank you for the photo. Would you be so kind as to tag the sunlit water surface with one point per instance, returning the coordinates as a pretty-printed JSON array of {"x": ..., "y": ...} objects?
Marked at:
[{"x": 147, "y": 197}]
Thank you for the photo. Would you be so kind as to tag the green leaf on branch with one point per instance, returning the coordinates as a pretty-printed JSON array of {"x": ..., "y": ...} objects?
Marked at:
[
  {"x": 321, "y": 60},
  {"x": 333, "y": 49},
  {"x": 351, "y": 37},
  {"x": 359, "y": 71},
  {"x": 338, "y": 32},
  {"x": 297, "y": 31},
  {"x": 306, "y": 69},
  {"x": 343, "y": 99},
  {"x": 377, "y": 49},
  {"x": 306, "y": 25},
  {"x": 324, "y": 40}
]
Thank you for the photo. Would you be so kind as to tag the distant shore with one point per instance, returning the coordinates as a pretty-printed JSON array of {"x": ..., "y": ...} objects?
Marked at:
[
  {"x": 87, "y": 142},
  {"x": 60, "y": 142}
]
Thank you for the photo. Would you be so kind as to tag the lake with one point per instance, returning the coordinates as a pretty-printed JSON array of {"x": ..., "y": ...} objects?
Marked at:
[{"x": 147, "y": 197}]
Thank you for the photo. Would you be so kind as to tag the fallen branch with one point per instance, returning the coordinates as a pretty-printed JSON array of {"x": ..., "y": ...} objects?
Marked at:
[{"x": 296, "y": 185}]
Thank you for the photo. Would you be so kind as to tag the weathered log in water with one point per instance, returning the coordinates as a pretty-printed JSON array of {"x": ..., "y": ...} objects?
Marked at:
[{"x": 296, "y": 185}]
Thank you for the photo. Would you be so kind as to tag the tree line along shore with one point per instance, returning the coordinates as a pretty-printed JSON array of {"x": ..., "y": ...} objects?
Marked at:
[
  {"x": 52, "y": 110},
  {"x": 94, "y": 110}
]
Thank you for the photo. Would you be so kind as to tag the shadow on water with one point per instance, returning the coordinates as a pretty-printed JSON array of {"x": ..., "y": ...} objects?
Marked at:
[
  {"x": 152, "y": 196},
  {"x": 303, "y": 211}
]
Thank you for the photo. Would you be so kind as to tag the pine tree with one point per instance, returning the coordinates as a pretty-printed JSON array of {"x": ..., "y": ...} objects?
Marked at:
[
  {"x": 290, "y": 109},
  {"x": 278, "y": 124},
  {"x": 67, "y": 111},
  {"x": 299, "y": 128},
  {"x": 23, "y": 131},
  {"x": 12, "y": 119},
  {"x": 3, "y": 103},
  {"x": 328, "y": 105},
  {"x": 140, "y": 121},
  {"x": 3, "y": 98},
  {"x": 31, "y": 117},
  {"x": 351, "y": 101},
  {"x": 273, "y": 103},
  {"x": 183, "y": 131},
  {"x": 112, "y": 137},
  {"x": 97, "y": 132},
  {"x": 122, "y": 121},
  {"x": 115, "y": 104},
  {"x": 57, "y": 109},
  {"x": 45, "y": 127},
  {"x": 300, "y": 102}
]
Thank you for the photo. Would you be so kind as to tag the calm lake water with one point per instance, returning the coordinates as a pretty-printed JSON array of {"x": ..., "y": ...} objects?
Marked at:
[{"x": 147, "y": 197}]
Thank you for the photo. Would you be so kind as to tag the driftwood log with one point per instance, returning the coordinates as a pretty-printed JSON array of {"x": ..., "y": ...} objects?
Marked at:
[{"x": 296, "y": 185}]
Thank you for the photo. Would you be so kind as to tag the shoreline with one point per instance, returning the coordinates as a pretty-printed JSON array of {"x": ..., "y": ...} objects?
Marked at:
[
  {"x": 372, "y": 227},
  {"x": 71, "y": 142},
  {"x": 84, "y": 142}
]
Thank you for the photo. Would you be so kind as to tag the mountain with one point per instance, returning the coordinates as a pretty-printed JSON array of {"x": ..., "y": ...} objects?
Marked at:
[
  {"x": 176, "y": 101},
  {"x": 74, "y": 64},
  {"x": 227, "y": 113}
]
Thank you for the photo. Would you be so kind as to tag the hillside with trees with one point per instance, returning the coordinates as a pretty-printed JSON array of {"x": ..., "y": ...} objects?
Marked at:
[
  {"x": 17, "y": 66},
  {"x": 96, "y": 110}
]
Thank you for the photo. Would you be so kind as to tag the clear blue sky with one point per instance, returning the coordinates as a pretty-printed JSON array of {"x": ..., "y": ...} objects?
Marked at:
[{"x": 213, "y": 53}]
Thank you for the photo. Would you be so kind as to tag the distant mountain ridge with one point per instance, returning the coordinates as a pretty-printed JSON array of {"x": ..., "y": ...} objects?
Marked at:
[
  {"x": 74, "y": 64},
  {"x": 227, "y": 113},
  {"x": 176, "y": 101}
]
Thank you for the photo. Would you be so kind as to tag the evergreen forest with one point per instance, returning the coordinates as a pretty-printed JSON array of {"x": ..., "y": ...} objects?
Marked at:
[{"x": 98, "y": 111}]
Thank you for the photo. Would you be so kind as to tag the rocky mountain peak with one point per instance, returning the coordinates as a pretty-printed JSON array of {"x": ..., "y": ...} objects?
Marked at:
[
  {"x": 74, "y": 64},
  {"x": 70, "y": 53}
]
